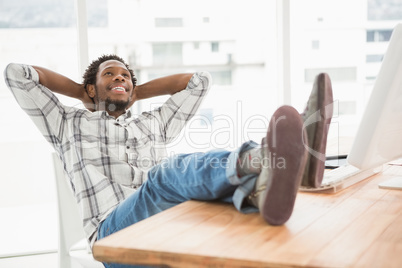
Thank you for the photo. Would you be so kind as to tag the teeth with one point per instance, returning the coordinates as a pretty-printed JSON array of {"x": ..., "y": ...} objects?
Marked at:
[{"x": 119, "y": 89}]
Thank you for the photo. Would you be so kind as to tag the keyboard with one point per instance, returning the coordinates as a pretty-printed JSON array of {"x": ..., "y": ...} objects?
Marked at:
[{"x": 340, "y": 178}]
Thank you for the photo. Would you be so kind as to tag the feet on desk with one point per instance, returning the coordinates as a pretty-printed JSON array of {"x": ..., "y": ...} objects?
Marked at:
[
  {"x": 293, "y": 153},
  {"x": 317, "y": 117},
  {"x": 284, "y": 158}
]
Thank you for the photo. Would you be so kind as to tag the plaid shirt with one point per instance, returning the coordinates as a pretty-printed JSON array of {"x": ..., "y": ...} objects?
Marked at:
[{"x": 105, "y": 159}]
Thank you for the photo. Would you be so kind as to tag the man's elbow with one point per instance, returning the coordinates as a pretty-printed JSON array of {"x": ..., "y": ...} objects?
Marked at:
[
  {"x": 205, "y": 80},
  {"x": 16, "y": 71}
]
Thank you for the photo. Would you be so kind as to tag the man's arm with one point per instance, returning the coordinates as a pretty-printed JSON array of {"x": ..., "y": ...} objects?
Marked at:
[
  {"x": 173, "y": 115},
  {"x": 40, "y": 103},
  {"x": 64, "y": 85},
  {"x": 167, "y": 85}
]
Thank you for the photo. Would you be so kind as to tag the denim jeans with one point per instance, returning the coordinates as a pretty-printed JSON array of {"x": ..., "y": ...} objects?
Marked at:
[{"x": 197, "y": 176}]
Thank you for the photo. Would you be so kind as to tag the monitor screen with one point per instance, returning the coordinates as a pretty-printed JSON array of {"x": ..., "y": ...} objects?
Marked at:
[{"x": 379, "y": 136}]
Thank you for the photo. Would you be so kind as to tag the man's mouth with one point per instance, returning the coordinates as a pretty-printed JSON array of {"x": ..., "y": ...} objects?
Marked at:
[{"x": 119, "y": 89}]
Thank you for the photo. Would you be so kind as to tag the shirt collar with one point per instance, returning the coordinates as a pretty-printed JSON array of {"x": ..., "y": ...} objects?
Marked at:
[{"x": 124, "y": 116}]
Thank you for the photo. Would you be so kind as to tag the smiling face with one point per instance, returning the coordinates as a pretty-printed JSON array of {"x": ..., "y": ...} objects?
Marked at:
[{"x": 113, "y": 88}]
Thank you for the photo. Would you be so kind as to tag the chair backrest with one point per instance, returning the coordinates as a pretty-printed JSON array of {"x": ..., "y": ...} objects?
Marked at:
[{"x": 71, "y": 230}]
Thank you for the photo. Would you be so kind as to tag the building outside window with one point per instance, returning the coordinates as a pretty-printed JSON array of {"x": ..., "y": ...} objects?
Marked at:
[
  {"x": 156, "y": 43},
  {"x": 167, "y": 54},
  {"x": 352, "y": 43}
]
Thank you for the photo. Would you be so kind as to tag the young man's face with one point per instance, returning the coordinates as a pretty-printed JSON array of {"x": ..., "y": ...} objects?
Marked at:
[{"x": 113, "y": 89}]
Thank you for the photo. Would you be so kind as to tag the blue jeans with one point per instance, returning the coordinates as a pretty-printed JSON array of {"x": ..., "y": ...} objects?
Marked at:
[{"x": 198, "y": 176}]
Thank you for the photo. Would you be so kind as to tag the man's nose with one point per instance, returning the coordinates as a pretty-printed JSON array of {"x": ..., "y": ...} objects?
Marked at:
[{"x": 119, "y": 77}]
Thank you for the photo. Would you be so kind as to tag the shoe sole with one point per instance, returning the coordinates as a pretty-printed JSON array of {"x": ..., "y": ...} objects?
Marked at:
[
  {"x": 317, "y": 148},
  {"x": 285, "y": 141}
]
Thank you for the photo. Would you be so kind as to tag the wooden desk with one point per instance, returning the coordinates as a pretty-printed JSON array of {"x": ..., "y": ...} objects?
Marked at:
[{"x": 360, "y": 226}]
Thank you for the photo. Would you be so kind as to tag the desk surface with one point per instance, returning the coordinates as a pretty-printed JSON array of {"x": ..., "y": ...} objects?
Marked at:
[{"x": 359, "y": 226}]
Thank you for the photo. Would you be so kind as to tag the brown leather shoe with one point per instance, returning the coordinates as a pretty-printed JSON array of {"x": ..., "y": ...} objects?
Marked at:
[
  {"x": 284, "y": 160},
  {"x": 317, "y": 118}
]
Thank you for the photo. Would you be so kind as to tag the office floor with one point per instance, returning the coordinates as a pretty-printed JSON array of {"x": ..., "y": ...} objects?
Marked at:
[
  {"x": 28, "y": 236},
  {"x": 48, "y": 260},
  {"x": 26, "y": 230},
  {"x": 34, "y": 245}
]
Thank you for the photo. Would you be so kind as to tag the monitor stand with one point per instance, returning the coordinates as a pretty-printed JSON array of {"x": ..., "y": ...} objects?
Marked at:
[{"x": 392, "y": 184}]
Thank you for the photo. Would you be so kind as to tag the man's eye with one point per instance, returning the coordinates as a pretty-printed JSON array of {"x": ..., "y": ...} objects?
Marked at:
[{"x": 108, "y": 73}]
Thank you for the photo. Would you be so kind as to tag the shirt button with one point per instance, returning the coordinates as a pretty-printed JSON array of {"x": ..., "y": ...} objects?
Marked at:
[{"x": 128, "y": 147}]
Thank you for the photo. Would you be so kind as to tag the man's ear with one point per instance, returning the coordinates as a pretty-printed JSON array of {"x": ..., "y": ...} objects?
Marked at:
[{"x": 91, "y": 90}]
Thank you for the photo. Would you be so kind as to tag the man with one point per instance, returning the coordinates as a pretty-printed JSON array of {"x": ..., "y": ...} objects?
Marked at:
[{"x": 117, "y": 164}]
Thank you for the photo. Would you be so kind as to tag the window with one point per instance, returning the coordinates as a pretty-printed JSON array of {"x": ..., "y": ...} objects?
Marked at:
[
  {"x": 349, "y": 52},
  {"x": 40, "y": 33},
  {"x": 215, "y": 46},
  {"x": 374, "y": 58},
  {"x": 49, "y": 14},
  {"x": 222, "y": 78},
  {"x": 157, "y": 42},
  {"x": 167, "y": 54},
  {"x": 383, "y": 10},
  {"x": 168, "y": 22},
  {"x": 378, "y": 35}
]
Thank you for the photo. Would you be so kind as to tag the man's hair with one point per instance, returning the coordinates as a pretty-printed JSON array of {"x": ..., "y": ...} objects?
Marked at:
[{"x": 92, "y": 69}]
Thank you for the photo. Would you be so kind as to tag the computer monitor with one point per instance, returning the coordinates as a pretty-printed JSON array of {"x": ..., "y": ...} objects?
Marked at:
[{"x": 379, "y": 136}]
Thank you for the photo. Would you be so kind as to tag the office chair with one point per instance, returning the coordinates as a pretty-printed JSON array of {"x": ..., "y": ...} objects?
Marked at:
[{"x": 73, "y": 250}]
